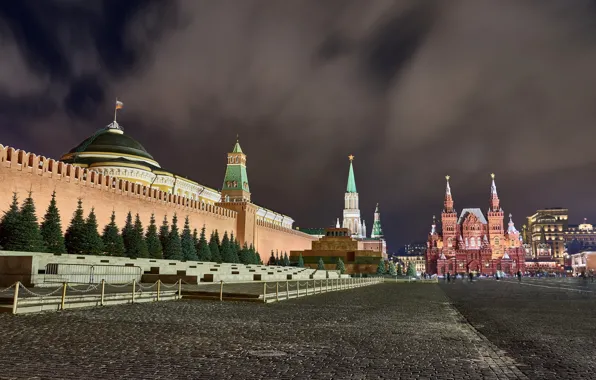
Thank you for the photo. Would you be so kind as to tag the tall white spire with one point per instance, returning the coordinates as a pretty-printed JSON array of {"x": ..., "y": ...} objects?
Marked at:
[
  {"x": 351, "y": 219},
  {"x": 493, "y": 186},
  {"x": 337, "y": 224}
]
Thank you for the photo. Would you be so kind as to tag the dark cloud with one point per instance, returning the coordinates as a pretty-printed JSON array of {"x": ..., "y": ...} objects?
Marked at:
[{"x": 415, "y": 90}]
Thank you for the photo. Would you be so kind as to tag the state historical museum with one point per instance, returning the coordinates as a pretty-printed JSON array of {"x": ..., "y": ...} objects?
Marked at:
[{"x": 472, "y": 242}]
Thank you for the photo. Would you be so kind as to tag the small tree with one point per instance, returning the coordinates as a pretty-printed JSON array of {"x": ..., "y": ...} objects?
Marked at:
[
  {"x": 254, "y": 255},
  {"x": 245, "y": 257},
  {"x": 411, "y": 270},
  {"x": 392, "y": 270},
  {"x": 112, "y": 240},
  {"x": 300, "y": 261},
  {"x": 51, "y": 229},
  {"x": 8, "y": 225},
  {"x": 214, "y": 248},
  {"x": 399, "y": 270},
  {"x": 28, "y": 236},
  {"x": 195, "y": 238},
  {"x": 173, "y": 247},
  {"x": 128, "y": 236},
  {"x": 381, "y": 267},
  {"x": 203, "y": 250},
  {"x": 278, "y": 262},
  {"x": 218, "y": 241},
  {"x": 235, "y": 248},
  {"x": 164, "y": 233},
  {"x": 286, "y": 260},
  {"x": 258, "y": 260},
  {"x": 189, "y": 251},
  {"x": 154, "y": 247},
  {"x": 226, "y": 249},
  {"x": 93, "y": 242},
  {"x": 271, "y": 259},
  {"x": 74, "y": 239},
  {"x": 321, "y": 264},
  {"x": 143, "y": 251},
  {"x": 340, "y": 266}
]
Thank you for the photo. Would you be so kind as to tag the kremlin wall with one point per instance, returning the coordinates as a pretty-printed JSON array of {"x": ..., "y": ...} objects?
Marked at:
[{"x": 94, "y": 178}]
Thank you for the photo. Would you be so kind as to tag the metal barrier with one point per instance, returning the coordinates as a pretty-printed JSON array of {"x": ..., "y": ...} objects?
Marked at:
[
  {"x": 91, "y": 274},
  {"x": 92, "y": 295},
  {"x": 303, "y": 288}
]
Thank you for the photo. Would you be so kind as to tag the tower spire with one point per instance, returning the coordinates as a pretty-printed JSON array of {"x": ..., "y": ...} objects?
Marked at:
[
  {"x": 235, "y": 186},
  {"x": 448, "y": 199},
  {"x": 494, "y": 198},
  {"x": 377, "y": 231},
  {"x": 351, "y": 188}
]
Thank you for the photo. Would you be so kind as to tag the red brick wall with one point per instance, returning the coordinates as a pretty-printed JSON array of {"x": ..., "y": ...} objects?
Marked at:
[
  {"x": 270, "y": 237},
  {"x": 21, "y": 172}
]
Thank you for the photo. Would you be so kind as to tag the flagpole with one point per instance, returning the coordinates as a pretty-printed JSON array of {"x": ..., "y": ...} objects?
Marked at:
[{"x": 115, "y": 109}]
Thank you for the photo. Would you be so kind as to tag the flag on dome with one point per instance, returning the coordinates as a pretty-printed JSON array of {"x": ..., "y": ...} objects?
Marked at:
[{"x": 119, "y": 104}]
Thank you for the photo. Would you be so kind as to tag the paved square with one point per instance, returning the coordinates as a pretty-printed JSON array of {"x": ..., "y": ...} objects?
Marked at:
[{"x": 387, "y": 331}]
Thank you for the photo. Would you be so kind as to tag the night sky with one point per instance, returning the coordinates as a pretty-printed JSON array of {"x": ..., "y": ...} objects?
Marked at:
[{"x": 414, "y": 89}]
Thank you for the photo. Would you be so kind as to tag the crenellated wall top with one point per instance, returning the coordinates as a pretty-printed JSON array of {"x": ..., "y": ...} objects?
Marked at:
[{"x": 19, "y": 160}]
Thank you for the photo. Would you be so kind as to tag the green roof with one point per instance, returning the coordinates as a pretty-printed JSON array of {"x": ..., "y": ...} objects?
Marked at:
[
  {"x": 235, "y": 172},
  {"x": 313, "y": 231},
  {"x": 237, "y": 148},
  {"x": 108, "y": 141},
  {"x": 351, "y": 180}
]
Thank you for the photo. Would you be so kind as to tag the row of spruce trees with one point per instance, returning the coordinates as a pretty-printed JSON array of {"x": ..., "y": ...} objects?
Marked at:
[
  {"x": 393, "y": 270},
  {"x": 20, "y": 231}
]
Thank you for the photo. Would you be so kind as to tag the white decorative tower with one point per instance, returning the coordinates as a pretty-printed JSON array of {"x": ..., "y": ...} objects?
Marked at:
[
  {"x": 377, "y": 231},
  {"x": 351, "y": 218}
]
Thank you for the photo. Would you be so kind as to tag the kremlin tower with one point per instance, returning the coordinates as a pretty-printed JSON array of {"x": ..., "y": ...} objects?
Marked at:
[{"x": 352, "y": 219}]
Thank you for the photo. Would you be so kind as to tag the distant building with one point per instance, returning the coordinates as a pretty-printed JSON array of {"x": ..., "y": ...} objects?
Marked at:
[
  {"x": 547, "y": 227},
  {"x": 418, "y": 260},
  {"x": 580, "y": 238},
  {"x": 473, "y": 242},
  {"x": 583, "y": 263}
]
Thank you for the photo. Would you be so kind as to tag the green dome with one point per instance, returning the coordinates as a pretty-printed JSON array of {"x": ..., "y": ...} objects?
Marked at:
[{"x": 110, "y": 141}]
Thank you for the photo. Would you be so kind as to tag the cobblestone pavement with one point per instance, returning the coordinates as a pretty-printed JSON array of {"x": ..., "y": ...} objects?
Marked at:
[
  {"x": 386, "y": 331},
  {"x": 546, "y": 324}
]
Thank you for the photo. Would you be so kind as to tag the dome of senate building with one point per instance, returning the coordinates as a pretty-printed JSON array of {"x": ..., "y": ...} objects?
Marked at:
[{"x": 109, "y": 144}]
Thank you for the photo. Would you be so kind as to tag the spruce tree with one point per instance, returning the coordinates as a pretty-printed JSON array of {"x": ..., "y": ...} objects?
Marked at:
[
  {"x": 411, "y": 270},
  {"x": 112, "y": 240},
  {"x": 154, "y": 247},
  {"x": 226, "y": 249},
  {"x": 203, "y": 250},
  {"x": 271, "y": 259},
  {"x": 381, "y": 267},
  {"x": 253, "y": 254},
  {"x": 164, "y": 233},
  {"x": 277, "y": 260},
  {"x": 245, "y": 257},
  {"x": 189, "y": 251},
  {"x": 300, "y": 261},
  {"x": 74, "y": 239},
  {"x": 392, "y": 270},
  {"x": 258, "y": 260},
  {"x": 214, "y": 248},
  {"x": 218, "y": 241},
  {"x": 399, "y": 269},
  {"x": 128, "y": 236},
  {"x": 51, "y": 229},
  {"x": 195, "y": 239},
  {"x": 235, "y": 248},
  {"x": 139, "y": 237},
  {"x": 286, "y": 260},
  {"x": 340, "y": 266},
  {"x": 27, "y": 234},
  {"x": 321, "y": 264},
  {"x": 173, "y": 246},
  {"x": 8, "y": 225},
  {"x": 93, "y": 242}
]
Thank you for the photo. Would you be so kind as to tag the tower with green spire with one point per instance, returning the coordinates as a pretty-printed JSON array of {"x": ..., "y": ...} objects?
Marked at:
[
  {"x": 235, "y": 185},
  {"x": 377, "y": 231},
  {"x": 351, "y": 218}
]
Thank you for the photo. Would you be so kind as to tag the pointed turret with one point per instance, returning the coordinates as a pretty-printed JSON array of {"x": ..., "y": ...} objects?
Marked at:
[
  {"x": 377, "y": 231},
  {"x": 433, "y": 227},
  {"x": 235, "y": 185},
  {"x": 448, "y": 199},
  {"x": 352, "y": 219},
  {"x": 511, "y": 229},
  {"x": 494, "y": 198},
  {"x": 351, "y": 188},
  {"x": 337, "y": 225},
  {"x": 363, "y": 230}
]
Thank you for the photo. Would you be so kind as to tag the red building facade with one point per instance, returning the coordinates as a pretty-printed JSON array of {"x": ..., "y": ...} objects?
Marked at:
[{"x": 472, "y": 242}]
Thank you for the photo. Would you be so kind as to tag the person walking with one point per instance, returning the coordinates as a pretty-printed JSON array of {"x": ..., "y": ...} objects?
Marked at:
[
  {"x": 448, "y": 276},
  {"x": 471, "y": 276},
  {"x": 519, "y": 276}
]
